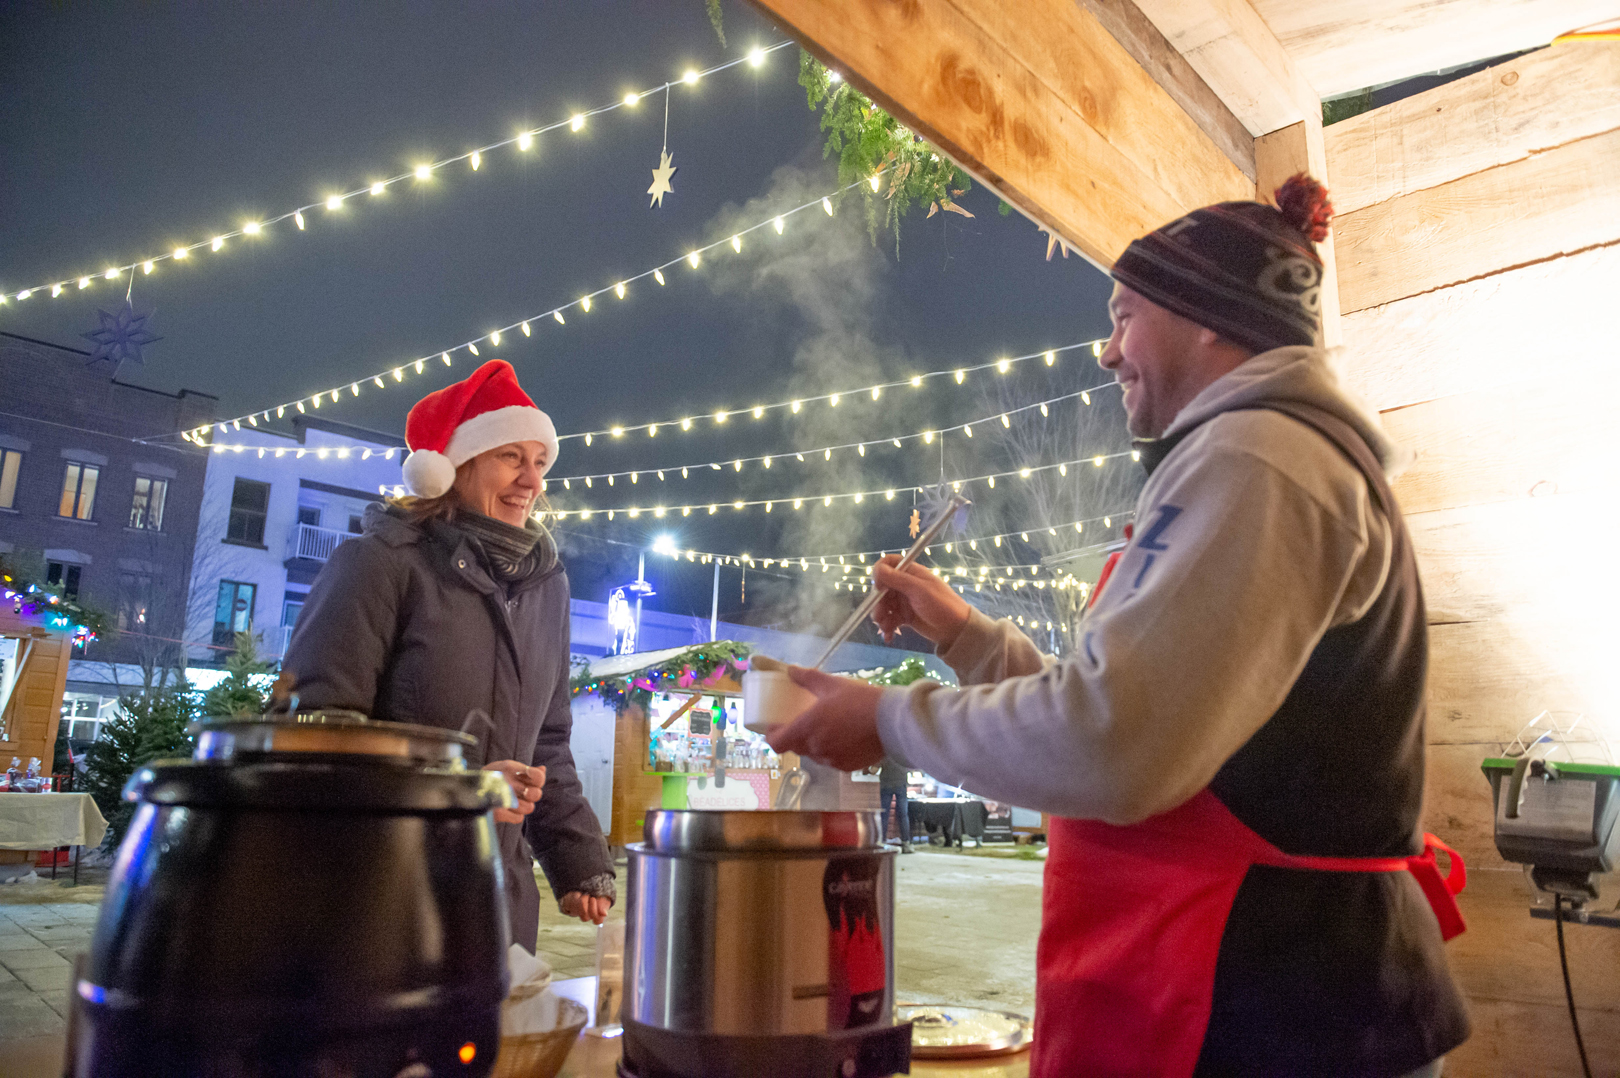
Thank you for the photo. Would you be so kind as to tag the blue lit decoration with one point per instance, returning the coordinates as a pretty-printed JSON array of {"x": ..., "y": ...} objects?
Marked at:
[
  {"x": 121, "y": 337},
  {"x": 622, "y": 620},
  {"x": 622, "y": 615}
]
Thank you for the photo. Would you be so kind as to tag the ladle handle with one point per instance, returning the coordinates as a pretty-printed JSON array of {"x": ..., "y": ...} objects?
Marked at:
[
  {"x": 867, "y": 604},
  {"x": 791, "y": 792}
]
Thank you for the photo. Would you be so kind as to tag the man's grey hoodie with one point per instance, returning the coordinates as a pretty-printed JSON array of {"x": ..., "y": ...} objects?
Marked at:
[{"x": 1252, "y": 539}]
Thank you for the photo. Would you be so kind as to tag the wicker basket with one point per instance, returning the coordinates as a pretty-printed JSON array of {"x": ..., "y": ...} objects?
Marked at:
[{"x": 541, "y": 1055}]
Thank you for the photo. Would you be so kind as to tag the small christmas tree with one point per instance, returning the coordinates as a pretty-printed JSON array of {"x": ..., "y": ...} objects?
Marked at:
[{"x": 239, "y": 695}]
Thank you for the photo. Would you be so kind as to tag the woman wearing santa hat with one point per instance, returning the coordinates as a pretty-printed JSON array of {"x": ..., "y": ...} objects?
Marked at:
[{"x": 453, "y": 601}]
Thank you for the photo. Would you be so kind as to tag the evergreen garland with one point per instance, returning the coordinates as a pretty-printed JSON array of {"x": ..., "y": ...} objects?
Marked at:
[
  {"x": 30, "y": 599},
  {"x": 683, "y": 672},
  {"x": 867, "y": 140}
]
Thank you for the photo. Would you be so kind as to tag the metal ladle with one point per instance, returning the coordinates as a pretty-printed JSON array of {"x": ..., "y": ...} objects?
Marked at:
[{"x": 795, "y": 780}]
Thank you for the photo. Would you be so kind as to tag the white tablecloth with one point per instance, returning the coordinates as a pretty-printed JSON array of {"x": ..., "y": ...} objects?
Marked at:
[{"x": 46, "y": 821}]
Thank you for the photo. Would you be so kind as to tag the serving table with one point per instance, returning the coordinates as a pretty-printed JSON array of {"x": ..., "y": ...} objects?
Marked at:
[
  {"x": 49, "y": 822},
  {"x": 598, "y": 1057}
]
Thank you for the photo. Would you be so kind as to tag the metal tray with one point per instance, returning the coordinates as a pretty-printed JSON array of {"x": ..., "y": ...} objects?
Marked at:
[{"x": 942, "y": 1031}]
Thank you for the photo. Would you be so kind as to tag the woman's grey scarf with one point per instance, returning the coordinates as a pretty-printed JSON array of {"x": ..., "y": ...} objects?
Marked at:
[{"x": 513, "y": 554}]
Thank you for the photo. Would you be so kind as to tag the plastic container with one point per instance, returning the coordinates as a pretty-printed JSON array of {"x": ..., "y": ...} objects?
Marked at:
[{"x": 770, "y": 699}]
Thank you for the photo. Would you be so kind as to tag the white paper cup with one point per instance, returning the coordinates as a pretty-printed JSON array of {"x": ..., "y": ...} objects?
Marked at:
[{"x": 770, "y": 699}]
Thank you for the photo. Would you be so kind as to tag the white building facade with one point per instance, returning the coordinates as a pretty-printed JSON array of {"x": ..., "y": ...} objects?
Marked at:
[{"x": 274, "y": 508}]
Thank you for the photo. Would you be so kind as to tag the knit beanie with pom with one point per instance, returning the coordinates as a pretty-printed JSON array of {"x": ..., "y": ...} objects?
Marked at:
[{"x": 1246, "y": 270}]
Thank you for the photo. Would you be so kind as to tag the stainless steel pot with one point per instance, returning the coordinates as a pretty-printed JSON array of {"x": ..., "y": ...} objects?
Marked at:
[{"x": 761, "y": 942}]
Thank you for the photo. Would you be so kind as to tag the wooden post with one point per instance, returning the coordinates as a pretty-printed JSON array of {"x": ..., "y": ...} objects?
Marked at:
[{"x": 1281, "y": 154}]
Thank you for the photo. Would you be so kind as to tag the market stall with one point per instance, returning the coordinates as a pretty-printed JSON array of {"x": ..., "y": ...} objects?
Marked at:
[{"x": 672, "y": 710}]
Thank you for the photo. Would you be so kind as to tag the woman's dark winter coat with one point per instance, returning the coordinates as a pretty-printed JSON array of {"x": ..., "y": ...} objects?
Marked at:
[{"x": 404, "y": 623}]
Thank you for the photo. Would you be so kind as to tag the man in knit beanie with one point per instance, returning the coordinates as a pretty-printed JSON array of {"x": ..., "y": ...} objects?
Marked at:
[{"x": 1238, "y": 882}]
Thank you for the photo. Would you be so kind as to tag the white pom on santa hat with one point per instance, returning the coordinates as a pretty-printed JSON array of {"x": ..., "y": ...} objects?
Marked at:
[
  {"x": 452, "y": 425},
  {"x": 428, "y": 474}
]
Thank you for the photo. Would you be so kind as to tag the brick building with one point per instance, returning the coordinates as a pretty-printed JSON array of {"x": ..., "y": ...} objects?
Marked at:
[{"x": 87, "y": 504}]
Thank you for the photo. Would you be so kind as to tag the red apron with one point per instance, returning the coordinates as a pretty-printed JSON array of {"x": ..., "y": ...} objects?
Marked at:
[{"x": 1131, "y": 924}]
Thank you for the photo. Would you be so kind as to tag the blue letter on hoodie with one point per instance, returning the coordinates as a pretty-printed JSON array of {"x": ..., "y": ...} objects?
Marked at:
[{"x": 1150, "y": 540}]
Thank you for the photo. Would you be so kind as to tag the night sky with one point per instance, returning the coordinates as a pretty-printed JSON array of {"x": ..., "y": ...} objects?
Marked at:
[{"x": 134, "y": 127}]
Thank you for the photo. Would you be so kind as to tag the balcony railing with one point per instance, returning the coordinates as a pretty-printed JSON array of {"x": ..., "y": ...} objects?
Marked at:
[{"x": 317, "y": 543}]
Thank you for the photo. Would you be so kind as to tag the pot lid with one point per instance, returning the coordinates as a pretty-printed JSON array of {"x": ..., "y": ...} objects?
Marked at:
[
  {"x": 741, "y": 831},
  {"x": 341, "y": 732},
  {"x": 947, "y": 1032}
]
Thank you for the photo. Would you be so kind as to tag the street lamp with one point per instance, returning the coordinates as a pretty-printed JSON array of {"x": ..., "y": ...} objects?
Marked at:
[{"x": 665, "y": 545}]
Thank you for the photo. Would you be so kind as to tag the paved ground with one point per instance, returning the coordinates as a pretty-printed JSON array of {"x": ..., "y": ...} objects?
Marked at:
[{"x": 965, "y": 927}]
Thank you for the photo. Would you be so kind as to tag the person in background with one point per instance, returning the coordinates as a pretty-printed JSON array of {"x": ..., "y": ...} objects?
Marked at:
[
  {"x": 892, "y": 792},
  {"x": 451, "y": 610},
  {"x": 1239, "y": 884}
]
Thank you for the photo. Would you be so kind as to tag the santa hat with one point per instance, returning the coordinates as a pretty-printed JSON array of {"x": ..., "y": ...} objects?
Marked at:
[{"x": 451, "y": 426}]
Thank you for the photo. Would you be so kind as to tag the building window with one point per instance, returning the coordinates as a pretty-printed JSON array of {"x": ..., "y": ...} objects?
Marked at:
[
  {"x": 10, "y": 464},
  {"x": 310, "y": 514},
  {"x": 146, "y": 512},
  {"x": 249, "y": 503},
  {"x": 356, "y": 524},
  {"x": 65, "y": 575},
  {"x": 135, "y": 593},
  {"x": 290, "y": 609},
  {"x": 79, "y": 491},
  {"x": 233, "y": 612}
]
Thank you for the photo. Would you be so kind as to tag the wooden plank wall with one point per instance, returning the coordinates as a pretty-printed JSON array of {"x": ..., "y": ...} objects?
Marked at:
[{"x": 1479, "y": 261}]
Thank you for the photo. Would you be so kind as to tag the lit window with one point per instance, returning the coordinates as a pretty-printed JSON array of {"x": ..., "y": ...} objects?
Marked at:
[
  {"x": 10, "y": 464},
  {"x": 79, "y": 491},
  {"x": 136, "y": 591},
  {"x": 233, "y": 612},
  {"x": 146, "y": 511}
]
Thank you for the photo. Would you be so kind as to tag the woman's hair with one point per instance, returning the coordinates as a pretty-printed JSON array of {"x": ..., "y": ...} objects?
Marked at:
[{"x": 447, "y": 505}]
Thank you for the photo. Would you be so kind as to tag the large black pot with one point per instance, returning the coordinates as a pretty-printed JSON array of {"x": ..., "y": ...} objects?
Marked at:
[{"x": 311, "y": 895}]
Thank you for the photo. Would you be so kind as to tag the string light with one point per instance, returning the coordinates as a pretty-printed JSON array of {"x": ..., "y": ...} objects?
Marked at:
[
  {"x": 523, "y": 140},
  {"x": 584, "y": 303},
  {"x": 957, "y": 567},
  {"x": 796, "y": 405},
  {"x": 852, "y": 496}
]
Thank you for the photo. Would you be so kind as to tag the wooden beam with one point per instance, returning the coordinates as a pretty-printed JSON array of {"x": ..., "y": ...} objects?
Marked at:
[
  {"x": 1036, "y": 100},
  {"x": 1238, "y": 55},
  {"x": 1154, "y": 53},
  {"x": 1555, "y": 203},
  {"x": 1505, "y": 113},
  {"x": 1491, "y": 332},
  {"x": 1341, "y": 46}
]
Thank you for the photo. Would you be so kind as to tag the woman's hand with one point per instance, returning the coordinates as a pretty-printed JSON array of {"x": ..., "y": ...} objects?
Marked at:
[
  {"x": 920, "y": 599},
  {"x": 526, "y": 781},
  {"x": 592, "y": 909}
]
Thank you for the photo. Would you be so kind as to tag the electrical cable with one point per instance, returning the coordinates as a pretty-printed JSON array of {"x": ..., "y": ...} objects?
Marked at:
[{"x": 1569, "y": 993}]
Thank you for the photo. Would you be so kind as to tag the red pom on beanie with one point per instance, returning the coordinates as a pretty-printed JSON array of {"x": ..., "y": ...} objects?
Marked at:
[{"x": 1304, "y": 205}]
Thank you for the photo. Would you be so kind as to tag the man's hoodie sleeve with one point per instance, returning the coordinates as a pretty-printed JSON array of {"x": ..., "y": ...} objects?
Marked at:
[{"x": 1233, "y": 575}]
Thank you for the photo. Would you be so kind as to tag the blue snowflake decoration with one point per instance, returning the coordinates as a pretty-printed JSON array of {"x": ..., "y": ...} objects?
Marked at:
[
  {"x": 934, "y": 502},
  {"x": 121, "y": 337}
]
